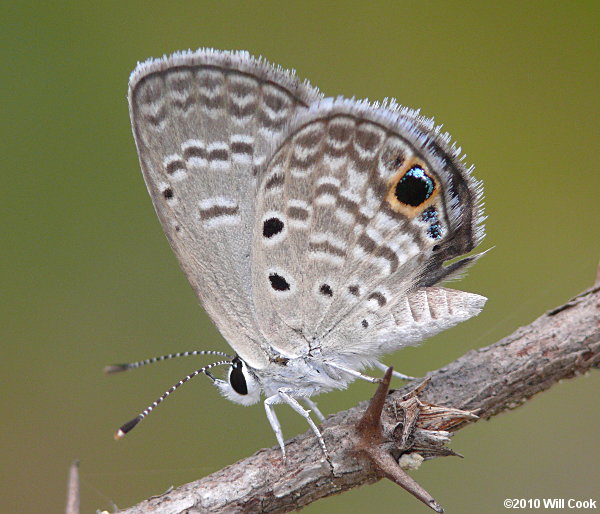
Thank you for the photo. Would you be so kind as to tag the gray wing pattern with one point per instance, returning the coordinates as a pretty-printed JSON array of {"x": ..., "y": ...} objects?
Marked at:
[
  {"x": 342, "y": 260},
  {"x": 205, "y": 124}
]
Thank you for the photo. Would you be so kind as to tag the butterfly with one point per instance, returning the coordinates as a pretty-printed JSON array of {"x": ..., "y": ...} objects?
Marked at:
[{"x": 313, "y": 230}]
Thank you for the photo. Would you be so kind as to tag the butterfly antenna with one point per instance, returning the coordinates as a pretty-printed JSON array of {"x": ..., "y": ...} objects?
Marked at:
[
  {"x": 116, "y": 368},
  {"x": 127, "y": 427}
]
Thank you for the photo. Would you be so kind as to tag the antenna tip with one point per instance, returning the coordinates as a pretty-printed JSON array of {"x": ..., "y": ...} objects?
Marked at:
[
  {"x": 120, "y": 434},
  {"x": 115, "y": 368}
]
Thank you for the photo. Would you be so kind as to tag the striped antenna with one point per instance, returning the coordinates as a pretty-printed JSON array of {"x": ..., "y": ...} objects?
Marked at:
[
  {"x": 119, "y": 434},
  {"x": 116, "y": 368}
]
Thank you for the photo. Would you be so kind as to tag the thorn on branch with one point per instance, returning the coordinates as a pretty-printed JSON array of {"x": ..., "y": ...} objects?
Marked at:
[
  {"x": 73, "y": 489},
  {"x": 410, "y": 432}
]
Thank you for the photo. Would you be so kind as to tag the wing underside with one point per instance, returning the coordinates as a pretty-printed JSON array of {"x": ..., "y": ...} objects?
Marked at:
[{"x": 205, "y": 124}]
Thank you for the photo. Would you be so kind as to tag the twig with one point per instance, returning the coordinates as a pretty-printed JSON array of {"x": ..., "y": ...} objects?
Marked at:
[
  {"x": 563, "y": 343},
  {"x": 73, "y": 489}
]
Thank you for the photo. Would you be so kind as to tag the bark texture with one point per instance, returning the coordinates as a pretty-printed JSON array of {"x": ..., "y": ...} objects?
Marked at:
[{"x": 563, "y": 343}]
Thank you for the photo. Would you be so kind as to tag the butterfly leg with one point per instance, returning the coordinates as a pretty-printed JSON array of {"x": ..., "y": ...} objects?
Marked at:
[
  {"x": 313, "y": 407},
  {"x": 286, "y": 395},
  {"x": 354, "y": 373},
  {"x": 397, "y": 374},
  {"x": 275, "y": 425}
]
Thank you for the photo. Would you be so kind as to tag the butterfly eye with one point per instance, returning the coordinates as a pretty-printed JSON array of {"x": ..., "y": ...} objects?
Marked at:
[
  {"x": 415, "y": 187},
  {"x": 237, "y": 378}
]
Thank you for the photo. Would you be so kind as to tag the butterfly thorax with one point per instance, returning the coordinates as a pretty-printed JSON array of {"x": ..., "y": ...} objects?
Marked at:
[{"x": 308, "y": 375}]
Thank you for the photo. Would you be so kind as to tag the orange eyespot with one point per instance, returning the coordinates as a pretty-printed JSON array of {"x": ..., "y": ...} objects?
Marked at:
[{"x": 412, "y": 188}]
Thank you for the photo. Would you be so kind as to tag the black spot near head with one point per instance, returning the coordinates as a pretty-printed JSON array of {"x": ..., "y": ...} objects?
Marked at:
[
  {"x": 326, "y": 290},
  {"x": 436, "y": 248},
  {"x": 364, "y": 323},
  {"x": 237, "y": 378},
  {"x": 168, "y": 193},
  {"x": 415, "y": 187},
  {"x": 278, "y": 282},
  {"x": 355, "y": 290},
  {"x": 272, "y": 226}
]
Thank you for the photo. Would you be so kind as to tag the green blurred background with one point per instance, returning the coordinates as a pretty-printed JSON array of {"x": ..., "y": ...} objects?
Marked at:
[{"x": 88, "y": 277}]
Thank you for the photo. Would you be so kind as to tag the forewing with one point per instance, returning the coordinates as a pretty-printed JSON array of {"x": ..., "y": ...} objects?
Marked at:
[{"x": 205, "y": 123}]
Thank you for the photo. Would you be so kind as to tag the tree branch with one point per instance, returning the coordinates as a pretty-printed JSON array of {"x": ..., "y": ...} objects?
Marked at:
[{"x": 563, "y": 343}]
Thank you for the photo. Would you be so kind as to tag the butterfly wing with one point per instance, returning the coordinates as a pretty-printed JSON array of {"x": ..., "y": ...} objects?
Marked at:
[
  {"x": 357, "y": 212},
  {"x": 205, "y": 124}
]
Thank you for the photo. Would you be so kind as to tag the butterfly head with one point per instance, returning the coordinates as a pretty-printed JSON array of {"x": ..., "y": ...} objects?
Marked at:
[{"x": 241, "y": 385}]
